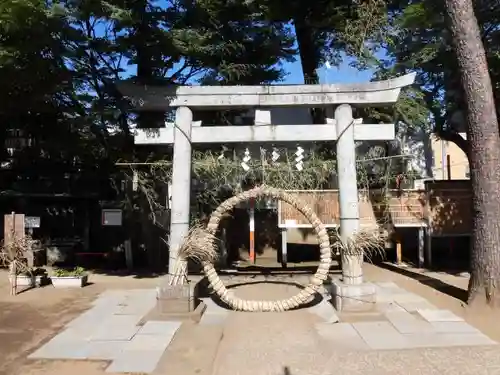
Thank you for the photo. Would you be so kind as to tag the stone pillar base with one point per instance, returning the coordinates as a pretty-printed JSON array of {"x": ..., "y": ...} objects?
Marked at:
[{"x": 346, "y": 297}]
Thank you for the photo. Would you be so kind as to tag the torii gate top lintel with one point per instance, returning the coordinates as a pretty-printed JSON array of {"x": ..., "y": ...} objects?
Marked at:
[{"x": 157, "y": 98}]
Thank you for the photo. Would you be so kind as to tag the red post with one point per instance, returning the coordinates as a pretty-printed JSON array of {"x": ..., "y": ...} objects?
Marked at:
[{"x": 252, "y": 229}]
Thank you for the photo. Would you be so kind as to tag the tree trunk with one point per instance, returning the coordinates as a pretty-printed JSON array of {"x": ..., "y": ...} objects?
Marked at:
[
  {"x": 309, "y": 58},
  {"x": 146, "y": 74},
  {"x": 483, "y": 135}
]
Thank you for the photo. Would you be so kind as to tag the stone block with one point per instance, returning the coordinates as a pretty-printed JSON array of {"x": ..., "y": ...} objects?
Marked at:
[
  {"x": 177, "y": 298},
  {"x": 160, "y": 328},
  {"x": 341, "y": 336},
  {"x": 347, "y": 297},
  {"x": 136, "y": 361},
  {"x": 325, "y": 311},
  {"x": 157, "y": 314},
  {"x": 381, "y": 335},
  {"x": 439, "y": 315},
  {"x": 406, "y": 323},
  {"x": 176, "y": 305}
]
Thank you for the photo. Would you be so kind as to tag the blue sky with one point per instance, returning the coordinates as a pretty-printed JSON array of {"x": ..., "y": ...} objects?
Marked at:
[{"x": 342, "y": 74}]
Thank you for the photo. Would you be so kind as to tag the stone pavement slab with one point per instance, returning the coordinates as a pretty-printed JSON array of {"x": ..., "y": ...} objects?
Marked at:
[
  {"x": 388, "y": 285},
  {"x": 59, "y": 349},
  {"x": 389, "y": 307},
  {"x": 381, "y": 335},
  {"x": 341, "y": 336},
  {"x": 406, "y": 323},
  {"x": 414, "y": 306},
  {"x": 160, "y": 328},
  {"x": 140, "y": 361},
  {"x": 148, "y": 342},
  {"x": 140, "y": 309},
  {"x": 439, "y": 315},
  {"x": 453, "y": 327},
  {"x": 110, "y": 331},
  {"x": 104, "y": 350},
  {"x": 464, "y": 339},
  {"x": 408, "y": 297},
  {"x": 115, "y": 332}
]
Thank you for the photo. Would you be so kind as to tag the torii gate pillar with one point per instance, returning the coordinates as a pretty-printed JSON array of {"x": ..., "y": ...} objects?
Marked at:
[
  {"x": 181, "y": 186},
  {"x": 352, "y": 272},
  {"x": 349, "y": 293}
]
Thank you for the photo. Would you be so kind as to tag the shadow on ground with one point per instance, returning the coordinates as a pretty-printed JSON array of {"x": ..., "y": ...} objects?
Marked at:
[
  {"x": 203, "y": 291},
  {"x": 431, "y": 282},
  {"x": 136, "y": 274}
]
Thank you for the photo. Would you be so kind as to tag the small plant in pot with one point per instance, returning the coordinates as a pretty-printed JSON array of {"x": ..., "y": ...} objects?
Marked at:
[
  {"x": 69, "y": 278},
  {"x": 26, "y": 279},
  {"x": 32, "y": 277}
]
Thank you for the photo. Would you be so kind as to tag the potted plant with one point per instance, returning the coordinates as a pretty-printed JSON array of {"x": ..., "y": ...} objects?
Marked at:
[
  {"x": 26, "y": 278},
  {"x": 31, "y": 277},
  {"x": 69, "y": 278}
]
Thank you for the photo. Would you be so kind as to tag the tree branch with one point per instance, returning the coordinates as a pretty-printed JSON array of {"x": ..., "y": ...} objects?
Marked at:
[{"x": 453, "y": 136}]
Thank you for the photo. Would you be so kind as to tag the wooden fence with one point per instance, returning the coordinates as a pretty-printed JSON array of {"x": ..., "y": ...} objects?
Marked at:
[{"x": 444, "y": 206}]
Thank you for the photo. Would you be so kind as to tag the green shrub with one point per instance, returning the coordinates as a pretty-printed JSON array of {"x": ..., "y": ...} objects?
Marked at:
[{"x": 75, "y": 272}]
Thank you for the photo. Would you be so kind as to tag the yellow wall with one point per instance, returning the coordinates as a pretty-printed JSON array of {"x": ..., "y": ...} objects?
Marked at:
[{"x": 459, "y": 165}]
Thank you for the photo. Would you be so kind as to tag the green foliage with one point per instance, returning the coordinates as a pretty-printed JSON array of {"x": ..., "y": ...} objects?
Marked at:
[
  {"x": 419, "y": 42},
  {"x": 75, "y": 272},
  {"x": 35, "y": 272},
  {"x": 58, "y": 65}
]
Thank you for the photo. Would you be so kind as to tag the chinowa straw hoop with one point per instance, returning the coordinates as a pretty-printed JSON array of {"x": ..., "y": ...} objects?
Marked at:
[{"x": 216, "y": 283}]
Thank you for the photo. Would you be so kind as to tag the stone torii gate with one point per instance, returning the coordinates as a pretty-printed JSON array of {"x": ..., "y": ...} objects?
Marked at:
[{"x": 341, "y": 128}]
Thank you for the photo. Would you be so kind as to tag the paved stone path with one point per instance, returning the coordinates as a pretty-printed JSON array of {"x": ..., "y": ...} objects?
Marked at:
[
  {"x": 110, "y": 331},
  {"x": 305, "y": 341}
]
